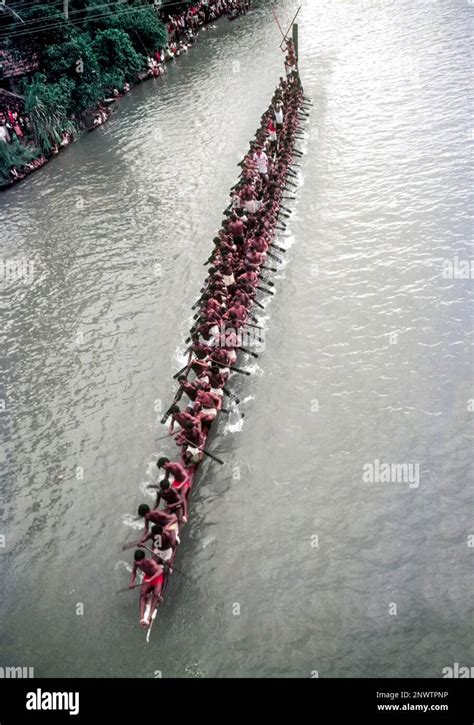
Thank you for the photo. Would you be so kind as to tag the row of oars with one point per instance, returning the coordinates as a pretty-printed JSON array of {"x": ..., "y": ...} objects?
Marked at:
[{"x": 283, "y": 212}]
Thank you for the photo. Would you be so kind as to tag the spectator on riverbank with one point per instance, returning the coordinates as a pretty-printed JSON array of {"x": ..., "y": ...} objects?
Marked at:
[{"x": 12, "y": 124}]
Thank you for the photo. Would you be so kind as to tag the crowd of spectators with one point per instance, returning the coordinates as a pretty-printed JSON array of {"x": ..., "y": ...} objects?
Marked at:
[{"x": 12, "y": 125}]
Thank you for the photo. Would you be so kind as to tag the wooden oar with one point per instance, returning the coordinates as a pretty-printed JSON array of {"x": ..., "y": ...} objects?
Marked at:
[
  {"x": 248, "y": 352},
  {"x": 130, "y": 545},
  {"x": 240, "y": 371},
  {"x": 168, "y": 412},
  {"x": 128, "y": 589},
  {"x": 180, "y": 372},
  {"x": 281, "y": 249},
  {"x": 168, "y": 435},
  {"x": 264, "y": 289},
  {"x": 231, "y": 395},
  {"x": 274, "y": 256}
]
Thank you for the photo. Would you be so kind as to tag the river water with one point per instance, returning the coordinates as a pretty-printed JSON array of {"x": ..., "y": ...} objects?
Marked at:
[{"x": 292, "y": 563}]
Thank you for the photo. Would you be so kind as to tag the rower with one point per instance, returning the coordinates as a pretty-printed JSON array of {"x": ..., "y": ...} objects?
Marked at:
[
  {"x": 173, "y": 468},
  {"x": 161, "y": 543},
  {"x": 224, "y": 358},
  {"x": 151, "y": 587},
  {"x": 190, "y": 389},
  {"x": 175, "y": 501},
  {"x": 190, "y": 439},
  {"x": 168, "y": 521},
  {"x": 217, "y": 380},
  {"x": 180, "y": 417},
  {"x": 237, "y": 229},
  {"x": 209, "y": 404}
]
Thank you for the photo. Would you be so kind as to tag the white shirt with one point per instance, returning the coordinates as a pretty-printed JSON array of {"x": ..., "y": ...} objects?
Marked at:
[{"x": 262, "y": 162}]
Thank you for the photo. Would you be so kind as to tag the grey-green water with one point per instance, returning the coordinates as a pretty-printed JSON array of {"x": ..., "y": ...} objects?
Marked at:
[{"x": 368, "y": 357}]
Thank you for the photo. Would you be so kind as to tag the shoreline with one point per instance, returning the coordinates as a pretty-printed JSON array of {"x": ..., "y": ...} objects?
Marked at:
[{"x": 108, "y": 105}]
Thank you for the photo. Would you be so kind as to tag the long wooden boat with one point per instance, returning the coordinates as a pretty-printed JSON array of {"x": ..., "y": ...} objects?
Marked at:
[{"x": 192, "y": 470}]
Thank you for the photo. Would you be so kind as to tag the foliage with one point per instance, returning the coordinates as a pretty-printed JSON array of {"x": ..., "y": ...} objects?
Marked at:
[
  {"x": 114, "y": 51},
  {"x": 146, "y": 32},
  {"x": 80, "y": 60},
  {"x": 77, "y": 61},
  {"x": 14, "y": 154},
  {"x": 47, "y": 105}
]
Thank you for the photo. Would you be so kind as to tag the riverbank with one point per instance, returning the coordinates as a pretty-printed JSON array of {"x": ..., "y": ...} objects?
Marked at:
[{"x": 183, "y": 32}]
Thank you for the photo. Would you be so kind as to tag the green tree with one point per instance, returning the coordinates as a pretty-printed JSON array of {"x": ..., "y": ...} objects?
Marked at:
[
  {"x": 77, "y": 61},
  {"x": 145, "y": 30},
  {"x": 115, "y": 52}
]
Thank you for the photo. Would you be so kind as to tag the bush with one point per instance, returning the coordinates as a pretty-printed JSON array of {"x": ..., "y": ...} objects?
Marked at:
[
  {"x": 47, "y": 105},
  {"x": 115, "y": 51},
  {"x": 77, "y": 61},
  {"x": 14, "y": 154},
  {"x": 146, "y": 32}
]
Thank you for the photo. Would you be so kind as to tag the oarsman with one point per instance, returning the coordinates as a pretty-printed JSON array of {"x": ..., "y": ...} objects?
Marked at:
[
  {"x": 233, "y": 321},
  {"x": 250, "y": 276},
  {"x": 254, "y": 256},
  {"x": 228, "y": 277},
  {"x": 174, "y": 500},
  {"x": 217, "y": 380},
  {"x": 200, "y": 368},
  {"x": 190, "y": 389},
  {"x": 151, "y": 587},
  {"x": 224, "y": 359},
  {"x": 168, "y": 521},
  {"x": 239, "y": 309},
  {"x": 173, "y": 468},
  {"x": 237, "y": 229},
  {"x": 161, "y": 543},
  {"x": 198, "y": 348},
  {"x": 190, "y": 439},
  {"x": 207, "y": 406}
]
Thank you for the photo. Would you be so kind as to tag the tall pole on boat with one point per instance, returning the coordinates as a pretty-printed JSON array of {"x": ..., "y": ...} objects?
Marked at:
[{"x": 295, "y": 40}]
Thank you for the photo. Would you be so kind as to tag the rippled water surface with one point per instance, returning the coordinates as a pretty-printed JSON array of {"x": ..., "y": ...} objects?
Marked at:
[{"x": 368, "y": 357}]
